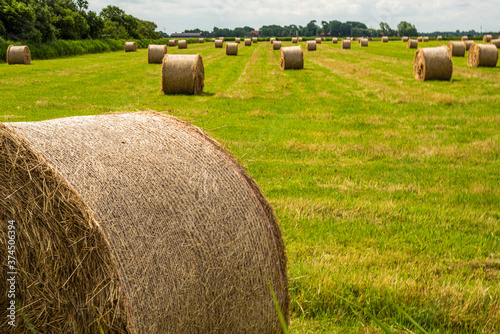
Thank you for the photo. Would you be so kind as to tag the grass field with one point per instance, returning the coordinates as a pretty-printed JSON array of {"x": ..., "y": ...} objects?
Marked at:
[{"x": 387, "y": 188}]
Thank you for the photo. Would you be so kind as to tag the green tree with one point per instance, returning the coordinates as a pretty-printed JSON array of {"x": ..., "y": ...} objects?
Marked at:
[{"x": 407, "y": 29}]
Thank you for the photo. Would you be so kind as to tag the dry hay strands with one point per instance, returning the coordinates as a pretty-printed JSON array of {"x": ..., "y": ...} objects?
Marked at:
[
  {"x": 219, "y": 43},
  {"x": 496, "y": 42},
  {"x": 412, "y": 44},
  {"x": 254, "y": 40},
  {"x": 18, "y": 55},
  {"x": 468, "y": 44},
  {"x": 363, "y": 42},
  {"x": 300, "y": 39},
  {"x": 156, "y": 53},
  {"x": 171, "y": 42},
  {"x": 104, "y": 263},
  {"x": 465, "y": 38},
  {"x": 425, "y": 39},
  {"x": 201, "y": 40},
  {"x": 237, "y": 40},
  {"x": 487, "y": 38},
  {"x": 294, "y": 40},
  {"x": 182, "y": 74},
  {"x": 433, "y": 64},
  {"x": 272, "y": 39},
  {"x": 277, "y": 45},
  {"x": 318, "y": 40},
  {"x": 404, "y": 39},
  {"x": 370, "y": 39},
  {"x": 420, "y": 39},
  {"x": 248, "y": 42},
  {"x": 311, "y": 45},
  {"x": 484, "y": 55},
  {"x": 213, "y": 40},
  {"x": 385, "y": 39},
  {"x": 323, "y": 39},
  {"x": 292, "y": 58},
  {"x": 457, "y": 49},
  {"x": 221, "y": 38},
  {"x": 346, "y": 44},
  {"x": 335, "y": 40},
  {"x": 182, "y": 44},
  {"x": 359, "y": 40},
  {"x": 232, "y": 49},
  {"x": 130, "y": 46},
  {"x": 439, "y": 38}
]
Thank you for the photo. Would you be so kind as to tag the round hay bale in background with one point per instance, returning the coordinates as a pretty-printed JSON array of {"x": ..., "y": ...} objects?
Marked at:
[
  {"x": 346, "y": 44},
  {"x": 182, "y": 74},
  {"x": 213, "y": 40},
  {"x": 419, "y": 39},
  {"x": 300, "y": 39},
  {"x": 487, "y": 38},
  {"x": 322, "y": 39},
  {"x": 412, "y": 44},
  {"x": 432, "y": 64},
  {"x": 294, "y": 40},
  {"x": 385, "y": 39},
  {"x": 156, "y": 53},
  {"x": 335, "y": 40},
  {"x": 201, "y": 40},
  {"x": 237, "y": 40},
  {"x": 129, "y": 215},
  {"x": 292, "y": 58},
  {"x": 318, "y": 40},
  {"x": 457, "y": 49},
  {"x": 425, "y": 38},
  {"x": 231, "y": 49},
  {"x": 130, "y": 46},
  {"x": 465, "y": 38},
  {"x": 219, "y": 43},
  {"x": 363, "y": 42},
  {"x": 484, "y": 55},
  {"x": 359, "y": 39},
  {"x": 311, "y": 45},
  {"x": 254, "y": 40},
  {"x": 248, "y": 42},
  {"x": 221, "y": 38},
  {"x": 272, "y": 39},
  {"x": 277, "y": 45},
  {"x": 18, "y": 55},
  {"x": 404, "y": 39},
  {"x": 370, "y": 39},
  {"x": 468, "y": 44},
  {"x": 171, "y": 42},
  {"x": 439, "y": 38},
  {"x": 496, "y": 42},
  {"x": 182, "y": 44}
]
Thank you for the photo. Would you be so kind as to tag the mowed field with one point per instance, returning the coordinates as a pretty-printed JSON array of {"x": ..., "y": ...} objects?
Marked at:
[{"x": 387, "y": 189}]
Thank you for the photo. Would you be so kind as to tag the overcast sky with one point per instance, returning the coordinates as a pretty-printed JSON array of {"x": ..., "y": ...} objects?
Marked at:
[{"x": 427, "y": 15}]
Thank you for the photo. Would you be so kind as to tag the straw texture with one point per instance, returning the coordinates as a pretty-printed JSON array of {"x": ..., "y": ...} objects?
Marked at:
[
  {"x": 254, "y": 40},
  {"x": 419, "y": 39},
  {"x": 291, "y": 58},
  {"x": 412, "y": 44},
  {"x": 139, "y": 223},
  {"x": 294, "y": 40},
  {"x": 18, "y": 55},
  {"x": 363, "y": 42},
  {"x": 496, "y": 42},
  {"x": 433, "y": 64},
  {"x": 277, "y": 45},
  {"x": 248, "y": 42},
  {"x": 404, "y": 39},
  {"x": 201, "y": 40},
  {"x": 311, "y": 45},
  {"x": 182, "y": 74},
  {"x": 425, "y": 39},
  {"x": 171, "y": 42},
  {"x": 232, "y": 49},
  {"x": 182, "y": 44},
  {"x": 318, "y": 40},
  {"x": 487, "y": 38},
  {"x": 219, "y": 43},
  {"x": 385, "y": 39},
  {"x": 272, "y": 39},
  {"x": 439, "y": 38},
  {"x": 465, "y": 38},
  {"x": 457, "y": 49},
  {"x": 346, "y": 44},
  {"x": 300, "y": 39},
  {"x": 130, "y": 46},
  {"x": 156, "y": 53},
  {"x": 335, "y": 40},
  {"x": 484, "y": 55},
  {"x": 468, "y": 44},
  {"x": 237, "y": 40}
]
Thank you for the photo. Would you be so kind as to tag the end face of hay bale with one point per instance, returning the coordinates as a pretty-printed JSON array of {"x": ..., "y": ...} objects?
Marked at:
[
  {"x": 248, "y": 42},
  {"x": 346, "y": 44},
  {"x": 291, "y": 58},
  {"x": 335, "y": 40},
  {"x": 156, "y": 53},
  {"x": 182, "y": 74},
  {"x": 457, "y": 49},
  {"x": 201, "y": 40},
  {"x": 385, "y": 39},
  {"x": 363, "y": 42},
  {"x": 412, "y": 44},
  {"x": 232, "y": 49},
  {"x": 487, "y": 38},
  {"x": 18, "y": 55},
  {"x": 130, "y": 46},
  {"x": 272, "y": 39},
  {"x": 254, "y": 40},
  {"x": 404, "y": 39},
  {"x": 433, "y": 64},
  {"x": 482, "y": 55},
  {"x": 171, "y": 42},
  {"x": 182, "y": 44},
  {"x": 311, "y": 45},
  {"x": 219, "y": 43},
  {"x": 277, "y": 45}
]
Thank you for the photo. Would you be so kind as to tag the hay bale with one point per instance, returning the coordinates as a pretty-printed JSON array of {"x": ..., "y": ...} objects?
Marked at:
[
  {"x": 412, "y": 44},
  {"x": 419, "y": 39},
  {"x": 370, "y": 39},
  {"x": 294, "y": 40},
  {"x": 432, "y": 64},
  {"x": 219, "y": 43},
  {"x": 363, "y": 42},
  {"x": 322, "y": 39},
  {"x": 130, "y": 47},
  {"x": 439, "y": 38},
  {"x": 248, "y": 42},
  {"x": 201, "y": 40},
  {"x": 213, "y": 40},
  {"x": 468, "y": 44},
  {"x": 300, "y": 39},
  {"x": 182, "y": 44},
  {"x": 171, "y": 42},
  {"x": 311, "y": 45},
  {"x": 425, "y": 39},
  {"x": 385, "y": 39},
  {"x": 465, "y": 38},
  {"x": 221, "y": 39},
  {"x": 487, "y": 38},
  {"x": 156, "y": 53},
  {"x": 457, "y": 49},
  {"x": 18, "y": 55},
  {"x": 237, "y": 40},
  {"x": 496, "y": 42},
  {"x": 335, "y": 40},
  {"x": 317, "y": 40},
  {"x": 292, "y": 58},
  {"x": 277, "y": 45},
  {"x": 346, "y": 44},
  {"x": 272, "y": 39},
  {"x": 136, "y": 223},
  {"x": 359, "y": 39},
  {"x": 254, "y": 40},
  {"x": 484, "y": 55},
  {"x": 404, "y": 39},
  {"x": 182, "y": 74},
  {"x": 231, "y": 49}
]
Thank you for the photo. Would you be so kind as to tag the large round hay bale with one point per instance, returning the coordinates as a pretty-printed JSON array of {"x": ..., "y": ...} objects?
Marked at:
[
  {"x": 277, "y": 45},
  {"x": 465, "y": 38},
  {"x": 130, "y": 46},
  {"x": 425, "y": 39},
  {"x": 156, "y": 53},
  {"x": 291, "y": 58},
  {"x": 487, "y": 38},
  {"x": 18, "y": 55},
  {"x": 363, "y": 42},
  {"x": 385, "y": 39},
  {"x": 182, "y": 74},
  {"x": 219, "y": 43},
  {"x": 468, "y": 44},
  {"x": 335, "y": 40},
  {"x": 231, "y": 49},
  {"x": 237, "y": 40},
  {"x": 457, "y": 49},
  {"x": 311, "y": 45},
  {"x": 496, "y": 42},
  {"x": 182, "y": 44},
  {"x": 412, "y": 44},
  {"x": 419, "y": 39},
  {"x": 433, "y": 64},
  {"x": 300, "y": 39},
  {"x": 248, "y": 42},
  {"x": 294, "y": 40},
  {"x": 272, "y": 39},
  {"x": 254, "y": 40},
  {"x": 318, "y": 40},
  {"x": 404, "y": 39},
  {"x": 439, "y": 38},
  {"x": 201, "y": 40},
  {"x": 136, "y": 223},
  {"x": 346, "y": 44},
  {"x": 171, "y": 42},
  {"x": 484, "y": 55}
]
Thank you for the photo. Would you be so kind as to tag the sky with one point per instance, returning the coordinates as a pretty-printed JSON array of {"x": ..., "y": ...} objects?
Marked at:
[{"x": 427, "y": 15}]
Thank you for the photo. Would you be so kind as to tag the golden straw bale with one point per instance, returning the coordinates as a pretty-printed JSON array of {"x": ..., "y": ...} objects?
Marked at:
[
  {"x": 182, "y": 44},
  {"x": 248, "y": 42},
  {"x": 439, "y": 38},
  {"x": 425, "y": 39},
  {"x": 130, "y": 46},
  {"x": 221, "y": 38},
  {"x": 182, "y": 74},
  {"x": 219, "y": 43},
  {"x": 404, "y": 39},
  {"x": 300, "y": 39},
  {"x": 213, "y": 40},
  {"x": 465, "y": 38},
  {"x": 201, "y": 40},
  {"x": 335, "y": 40},
  {"x": 294, "y": 40},
  {"x": 237, "y": 40},
  {"x": 291, "y": 58},
  {"x": 156, "y": 53},
  {"x": 363, "y": 42},
  {"x": 370, "y": 39},
  {"x": 468, "y": 44},
  {"x": 18, "y": 55},
  {"x": 456, "y": 49},
  {"x": 311, "y": 45},
  {"x": 484, "y": 55},
  {"x": 385, "y": 39},
  {"x": 318, "y": 40},
  {"x": 231, "y": 49},
  {"x": 272, "y": 39},
  {"x": 346, "y": 44},
  {"x": 496, "y": 42},
  {"x": 254, "y": 40},
  {"x": 171, "y": 42},
  {"x": 433, "y": 64},
  {"x": 277, "y": 45},
  {"x": 419, "y": 39},
  {"x": 487, "y": 38},
  {"x": 412, "y": 44}
]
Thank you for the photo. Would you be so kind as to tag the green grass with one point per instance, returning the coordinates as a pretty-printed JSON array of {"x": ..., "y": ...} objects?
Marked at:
[{"x": 387, "y": 188}]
